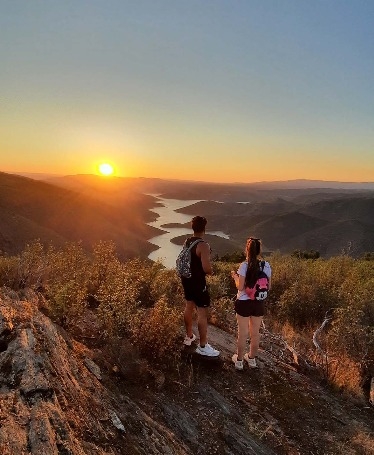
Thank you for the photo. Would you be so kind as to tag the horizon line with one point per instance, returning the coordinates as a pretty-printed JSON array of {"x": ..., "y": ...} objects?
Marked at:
[{"x": 53, "y": 174}]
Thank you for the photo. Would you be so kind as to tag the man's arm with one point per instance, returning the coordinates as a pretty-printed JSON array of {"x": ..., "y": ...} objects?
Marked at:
[{"x": 203, "y": 250}]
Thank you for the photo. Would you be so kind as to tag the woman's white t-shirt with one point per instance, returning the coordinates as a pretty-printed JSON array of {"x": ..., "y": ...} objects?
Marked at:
[{"x": 242, "y": 270}]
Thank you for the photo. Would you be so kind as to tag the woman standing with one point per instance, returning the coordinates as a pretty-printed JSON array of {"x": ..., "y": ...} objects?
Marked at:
[{"x": 249, "y": 307}]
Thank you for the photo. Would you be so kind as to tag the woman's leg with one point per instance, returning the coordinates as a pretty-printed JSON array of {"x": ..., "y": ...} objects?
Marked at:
[
  {"x": 254, "y": 333},
  {"x": 242, "y": 334}
]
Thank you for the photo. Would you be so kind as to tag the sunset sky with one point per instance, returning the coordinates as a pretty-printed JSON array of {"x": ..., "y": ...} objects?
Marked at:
[{"x": 215, "y": 90}]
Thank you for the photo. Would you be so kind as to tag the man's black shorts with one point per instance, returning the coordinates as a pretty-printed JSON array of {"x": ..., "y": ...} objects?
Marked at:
[{"x": 200, "y": 297}]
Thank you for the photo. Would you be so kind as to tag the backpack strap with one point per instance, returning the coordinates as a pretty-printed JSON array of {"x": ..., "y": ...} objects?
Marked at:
[{"x": 195, "y": 242}]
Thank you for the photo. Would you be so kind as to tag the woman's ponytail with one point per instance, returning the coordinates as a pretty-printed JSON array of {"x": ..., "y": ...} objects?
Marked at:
[{"x": 253, "y": 249}]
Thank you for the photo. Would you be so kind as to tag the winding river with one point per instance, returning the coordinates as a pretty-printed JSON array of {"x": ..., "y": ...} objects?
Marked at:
[{"x": 168, "y": 251}]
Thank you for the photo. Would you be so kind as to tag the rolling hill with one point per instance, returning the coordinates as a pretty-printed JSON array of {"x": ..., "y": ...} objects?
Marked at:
[
  {"x": 286, "y": 215},
  {"x": 33, "y": 209},
  {"x": 331, "y": 225}
]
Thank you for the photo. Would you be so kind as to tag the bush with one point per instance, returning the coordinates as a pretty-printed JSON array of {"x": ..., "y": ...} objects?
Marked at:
[
  {"x": 285, "y": 272},
  {"x": 222, "y": 314},
  {"x": 166, "y": 283},
  {"x": 144, "y": 274},
  {"x": 9, "y": 272},
  {"x": 143, "y": 301},
  {"x": 117, "y": 299},
  {"x": 369, "y": 256},
  {"x": 66, "y": 283},
  {"x": 156, "y": 332},
  {"x": 312, "y": 254},
  {"x": 103, "y": 265},
  {"x": 27, "y": 270}
]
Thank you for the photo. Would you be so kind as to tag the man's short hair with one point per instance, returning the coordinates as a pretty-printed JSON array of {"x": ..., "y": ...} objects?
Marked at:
[{"x": 198, "y": 223}]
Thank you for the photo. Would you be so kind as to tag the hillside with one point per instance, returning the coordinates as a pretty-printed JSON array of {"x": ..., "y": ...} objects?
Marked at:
[
  {"x": 343, "y": 209},
  {"x": 288, "y": 216},
  {"x": 32, "y": 209},
  {"x": 331, "y": 225},
  {"x": 224, "y": 192},
  {"x": 60, "y": 396}
]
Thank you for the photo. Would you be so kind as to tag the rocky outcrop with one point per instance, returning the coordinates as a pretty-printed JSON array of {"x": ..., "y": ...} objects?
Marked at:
[
  {"x": 59, "y": 397},
  {"x": 52, "y": 400}
]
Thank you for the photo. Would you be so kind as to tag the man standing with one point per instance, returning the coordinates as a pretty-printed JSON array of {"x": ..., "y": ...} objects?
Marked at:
[{"x": 195, "y": 289}]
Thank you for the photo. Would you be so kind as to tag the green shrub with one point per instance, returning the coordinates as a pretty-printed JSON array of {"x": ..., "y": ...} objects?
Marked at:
[
  {"x": 312, "y": 254},
  {"x": 353, "y": 323},
  {"x": 103, "y": 265},
  {"x": 144, "y": 301},
  {"x": 166, "y": 283},
  {"x": 144, "y": 274},
  {"x": 117, "y": 299},
  {"x": 26, "y": 270},
  {"x": 9, "y": 272},
  {"x": 32, "y": 266},
  {"x": 66, "y": 284},
  {"x": 285, "y": 272},
  {"x": 156, "y": 332},
  {"x": 222, "y": 314}
]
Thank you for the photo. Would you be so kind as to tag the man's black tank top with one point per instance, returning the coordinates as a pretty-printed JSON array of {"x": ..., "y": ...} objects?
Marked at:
[{"x": 197, "y": 280}]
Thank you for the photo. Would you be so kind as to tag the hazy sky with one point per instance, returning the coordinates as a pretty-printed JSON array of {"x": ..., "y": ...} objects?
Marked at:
[{"x": 217, "y": 90}]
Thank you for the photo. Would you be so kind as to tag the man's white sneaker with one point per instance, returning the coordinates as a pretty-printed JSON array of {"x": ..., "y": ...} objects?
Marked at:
[
  {"x": 238, "y": 363},
  {"x": 251, "y": 362},
  {"x": 207, "y": 350},
  {"x": 189, "y": 340}
]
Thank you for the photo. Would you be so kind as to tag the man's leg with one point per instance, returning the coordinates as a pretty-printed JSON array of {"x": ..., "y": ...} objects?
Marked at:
[
  {"x": 188, "y": 316},
  {"x": 202, "y": 324}
]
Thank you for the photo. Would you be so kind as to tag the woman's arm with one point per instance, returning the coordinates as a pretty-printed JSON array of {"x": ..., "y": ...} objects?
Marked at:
[
  {"x": 239, "y": 280},
  {"x": 267, "y": 270}
]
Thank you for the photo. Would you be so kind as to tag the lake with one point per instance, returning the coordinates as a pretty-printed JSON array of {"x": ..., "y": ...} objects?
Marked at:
[{"x": 168, "y": 251}]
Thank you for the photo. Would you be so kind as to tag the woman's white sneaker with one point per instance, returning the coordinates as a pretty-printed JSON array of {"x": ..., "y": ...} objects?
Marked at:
[
  {"x": 207, "y": 350},
  {"x": 251, "y": 362},
  {"x": 238, "y": 363}
]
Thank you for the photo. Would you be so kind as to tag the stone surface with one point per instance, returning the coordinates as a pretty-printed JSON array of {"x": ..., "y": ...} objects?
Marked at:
[{"x": 59, "y": 396}]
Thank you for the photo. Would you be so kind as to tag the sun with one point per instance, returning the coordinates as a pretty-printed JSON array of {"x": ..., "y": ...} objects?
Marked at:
[{"x": 106, "y": 169}]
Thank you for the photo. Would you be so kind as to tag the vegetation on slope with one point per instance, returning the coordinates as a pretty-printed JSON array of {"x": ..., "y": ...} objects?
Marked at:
[{"x": 142, "y": 301}]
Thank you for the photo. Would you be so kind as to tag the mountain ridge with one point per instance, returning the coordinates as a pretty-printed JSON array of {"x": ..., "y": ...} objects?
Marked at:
[{"x": 291, "y": 183}]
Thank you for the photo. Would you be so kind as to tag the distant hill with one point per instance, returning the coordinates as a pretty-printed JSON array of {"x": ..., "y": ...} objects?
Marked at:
[
  {"x": 350, "y": 237},
  {"x": 332, "y": 225},
  {"x": 38, "y": 175},
  {"x": 330, "y": 217},
  {"x": 32, "y": 209},
  {"x": 352, "y": 208},
  {"x": 223, "y": 192},
  {"x": 317, "y": 184}
]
